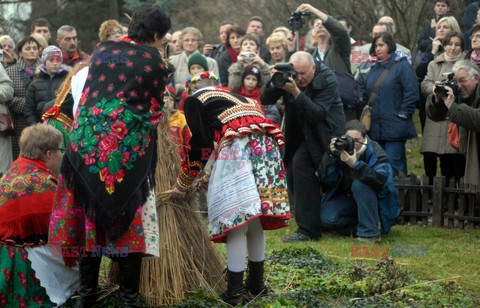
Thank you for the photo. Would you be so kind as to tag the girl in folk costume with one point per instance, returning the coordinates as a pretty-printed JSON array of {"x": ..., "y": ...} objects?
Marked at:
[
  {"x": 247, "y": 187},
  {"x": 105, "y": 201}
]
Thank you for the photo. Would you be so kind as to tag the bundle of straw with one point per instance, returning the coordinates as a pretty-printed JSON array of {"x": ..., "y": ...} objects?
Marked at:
[{"x": 188, "y": 260}]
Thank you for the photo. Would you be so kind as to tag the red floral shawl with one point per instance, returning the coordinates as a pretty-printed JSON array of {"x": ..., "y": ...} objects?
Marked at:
[{"x": 27, "y": 191}]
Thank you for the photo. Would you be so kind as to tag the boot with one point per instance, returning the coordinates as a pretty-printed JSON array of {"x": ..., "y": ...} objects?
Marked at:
[
  {"x": 255, "y": 283},
  {"x": 89, "y": 267},
  {"x": 235, "y": 290},
  {"x": 129, "y": 279}
]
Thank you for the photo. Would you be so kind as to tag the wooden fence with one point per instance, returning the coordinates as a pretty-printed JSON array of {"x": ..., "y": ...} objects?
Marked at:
[{"x": 438, "y": 205}]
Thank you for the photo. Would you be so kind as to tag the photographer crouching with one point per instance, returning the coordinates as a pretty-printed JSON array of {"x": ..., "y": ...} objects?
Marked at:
[
  {"x": 457, "y": 100},
  {"x": 357, "y": 181},
  {"x": 313, "y": 115}
]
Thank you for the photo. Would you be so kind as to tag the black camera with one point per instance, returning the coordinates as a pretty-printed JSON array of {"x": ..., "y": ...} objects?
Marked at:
[
  {"x": 345, "y": 143},
  {"x": 284, "y": 70},
  {"x": 440, "y": 88},
  {"x": 296, "y": 20}
]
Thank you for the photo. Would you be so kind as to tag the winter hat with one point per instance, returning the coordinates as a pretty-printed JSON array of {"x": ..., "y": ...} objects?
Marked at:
[
  {"x": 198, "y": 58},
  {"x": 50, "y": 52},
  {"x": 252, "y": 70}
]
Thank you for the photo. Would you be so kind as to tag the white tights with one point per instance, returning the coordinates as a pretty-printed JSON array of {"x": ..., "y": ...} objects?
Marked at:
[{"x": 248, "y": 236}]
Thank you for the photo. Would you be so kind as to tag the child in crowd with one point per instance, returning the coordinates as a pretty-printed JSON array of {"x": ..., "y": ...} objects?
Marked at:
[
  {"x": 42, "y": 90},
  {"x": 197, "y": 64},
  {"x": 251, "y": 80}
]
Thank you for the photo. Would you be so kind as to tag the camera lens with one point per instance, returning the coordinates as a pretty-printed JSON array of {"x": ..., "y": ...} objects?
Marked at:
[{"x": 279, "y": 79}]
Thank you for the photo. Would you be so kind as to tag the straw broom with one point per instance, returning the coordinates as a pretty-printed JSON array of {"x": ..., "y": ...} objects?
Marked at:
[{"x": 188, "y": 261}]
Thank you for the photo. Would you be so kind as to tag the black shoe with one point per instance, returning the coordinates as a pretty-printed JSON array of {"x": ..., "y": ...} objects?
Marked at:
[
  {"x": 255, "y": 283},
  {"x": 298, "y": 237},
  {"x": 129, "y": 279},
  {"x": 234, "y": 294}
]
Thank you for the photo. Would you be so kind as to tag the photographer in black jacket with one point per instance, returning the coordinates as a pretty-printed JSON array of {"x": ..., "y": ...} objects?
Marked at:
[{"x": 313, "y": 116}]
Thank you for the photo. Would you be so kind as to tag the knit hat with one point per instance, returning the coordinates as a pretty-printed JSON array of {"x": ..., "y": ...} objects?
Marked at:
[
  {"x": 198, "y": 58},
  {"x": 50, "y": 52},
  {"x": 252, "y": 70}
]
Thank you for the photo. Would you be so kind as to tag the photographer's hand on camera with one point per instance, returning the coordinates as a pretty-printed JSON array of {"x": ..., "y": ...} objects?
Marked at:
[
  {"x": 448, "y": 100},
  {"x": 347, "y": 158},
  {"x": 292, "y": 88},
  {"x": 307, "y": 7}
]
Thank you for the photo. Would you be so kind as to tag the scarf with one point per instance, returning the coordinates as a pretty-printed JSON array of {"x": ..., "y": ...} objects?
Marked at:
[
  {"x": 233, "y": 54},
  {"x": 26, "y": 72},
  {"x": 475, "y": 57},
  {"x": 27, "y": 192},
  {"x": 362, "y": 149},
  {"x": 255, "y": 94}
]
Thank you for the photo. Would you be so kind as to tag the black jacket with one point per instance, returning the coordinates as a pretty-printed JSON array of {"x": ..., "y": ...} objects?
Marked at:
[
  {"x": 224, "y": 63},
  {"x": 315, "y": 116},
  {"x": 41, "y": 91}
]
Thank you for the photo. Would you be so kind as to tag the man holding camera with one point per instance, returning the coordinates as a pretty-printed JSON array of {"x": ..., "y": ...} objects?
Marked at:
[
  {"x": 357, "y": 181},
  {"x": 458, "y": 101},
  {"x": 313, "y": 115}
]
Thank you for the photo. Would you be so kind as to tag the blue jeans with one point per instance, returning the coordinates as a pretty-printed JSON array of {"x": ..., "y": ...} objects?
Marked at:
[
  {"x": 396, "y": 155},
  {"x": 342, "y": 211}
]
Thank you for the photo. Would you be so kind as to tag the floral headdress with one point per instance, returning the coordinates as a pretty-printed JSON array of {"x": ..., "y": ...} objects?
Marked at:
[{"x": 205, "y": 75}]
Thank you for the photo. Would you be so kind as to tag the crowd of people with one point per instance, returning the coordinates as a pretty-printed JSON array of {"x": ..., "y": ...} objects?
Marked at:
[{"x": 78, "y": 144}]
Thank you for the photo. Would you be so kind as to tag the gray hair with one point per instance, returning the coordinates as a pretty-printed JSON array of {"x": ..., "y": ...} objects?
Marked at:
[
  {"x": 194, "y": 31},
  {"x": 468, "y": 66},
  {"x": 37, "y": 139},
  {"x": 7, "y": 38},
  {"x": 300, "y": 56},
  {"x": 64, "y": 28}
]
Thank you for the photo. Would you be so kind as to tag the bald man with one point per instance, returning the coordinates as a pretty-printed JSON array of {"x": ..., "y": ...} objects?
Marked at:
[{"x": 313, "y": 115}]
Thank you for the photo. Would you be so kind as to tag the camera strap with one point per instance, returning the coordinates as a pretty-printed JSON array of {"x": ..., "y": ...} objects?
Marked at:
[{"x": 373, "y": 94}]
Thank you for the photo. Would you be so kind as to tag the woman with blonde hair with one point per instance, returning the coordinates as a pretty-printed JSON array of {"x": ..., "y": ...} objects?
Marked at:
[
  {"x": 277, "y": 45},
  {"x": 110, "y": 30}
]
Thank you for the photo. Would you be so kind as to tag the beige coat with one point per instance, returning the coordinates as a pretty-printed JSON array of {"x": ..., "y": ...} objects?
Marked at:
[
  {"x": 180, "y": 62},
  {"x": 6, "y": 94},
  {"x": 435, "y": 134}
]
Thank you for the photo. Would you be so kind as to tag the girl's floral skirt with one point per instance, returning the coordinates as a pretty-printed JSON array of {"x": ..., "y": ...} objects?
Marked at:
[{"x": 248, "y": 180}]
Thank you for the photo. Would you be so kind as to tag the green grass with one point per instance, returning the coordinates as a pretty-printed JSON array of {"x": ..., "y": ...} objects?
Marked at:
[{"x": 451, "y": 253}]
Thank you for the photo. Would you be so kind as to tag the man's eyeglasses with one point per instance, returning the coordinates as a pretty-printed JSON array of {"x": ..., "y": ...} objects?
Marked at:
[{"x": 463, "y": 81}]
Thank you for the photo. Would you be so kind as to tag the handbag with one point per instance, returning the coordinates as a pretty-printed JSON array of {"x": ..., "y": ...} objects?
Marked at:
[
  {"x": 6, "y": 124},
  {"x": 453, "y": 138},
  {"x": 366, "y": 116}
]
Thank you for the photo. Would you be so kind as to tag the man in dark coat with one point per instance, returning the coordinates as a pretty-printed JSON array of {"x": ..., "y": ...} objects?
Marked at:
[{"x": 314, "y": 115}]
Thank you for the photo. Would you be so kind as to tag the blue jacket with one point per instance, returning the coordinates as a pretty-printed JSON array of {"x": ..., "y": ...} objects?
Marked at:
[
  {"x": 373, "y": 169},
  {"x": 395, "y": 100}
]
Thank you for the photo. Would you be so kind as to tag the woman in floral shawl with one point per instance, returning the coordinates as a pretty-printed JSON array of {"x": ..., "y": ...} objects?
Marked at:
[
  {"x": 247, "y": 188},
  {"x": 30, "y": 276},
  {"x": 105, "y": 202}
]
